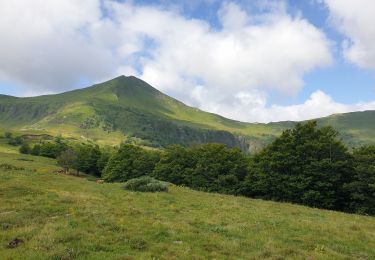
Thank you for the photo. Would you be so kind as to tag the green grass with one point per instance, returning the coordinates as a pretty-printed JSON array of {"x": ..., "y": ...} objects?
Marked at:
[
  {"x": 29, "y": 162},
  {"x": 6, "y": 148},
  {"x": 66, "y": 217}
]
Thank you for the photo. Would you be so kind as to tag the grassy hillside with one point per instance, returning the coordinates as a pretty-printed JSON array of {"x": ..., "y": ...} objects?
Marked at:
[
  {"x": 357, "y": 128},
  {"x": 127, "y": 107},
  {"x": 66, "y": 217},
  {"x": 107, "y": 111}
]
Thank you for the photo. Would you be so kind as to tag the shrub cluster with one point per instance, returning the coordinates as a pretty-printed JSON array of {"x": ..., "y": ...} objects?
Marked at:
[
  {"x": 13, "y": 140},
  {"x": 145, "y": 184},
  {"x": 83, "y": 157}
]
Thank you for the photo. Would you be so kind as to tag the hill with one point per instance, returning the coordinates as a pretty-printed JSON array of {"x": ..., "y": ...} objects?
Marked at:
[
  {"x": 129, "y": 108},
  {"x": 65, "y": 217}
]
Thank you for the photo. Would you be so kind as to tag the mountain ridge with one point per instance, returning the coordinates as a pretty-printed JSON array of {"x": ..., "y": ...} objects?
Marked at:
[{"x": 126, "y": 108}]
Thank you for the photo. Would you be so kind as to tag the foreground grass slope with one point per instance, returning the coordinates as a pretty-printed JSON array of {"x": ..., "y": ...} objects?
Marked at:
[{"x": 66, "y": 217}]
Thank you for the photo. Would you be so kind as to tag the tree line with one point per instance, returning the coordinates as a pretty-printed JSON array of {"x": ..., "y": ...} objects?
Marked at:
[{"x": 306, "y": 165}]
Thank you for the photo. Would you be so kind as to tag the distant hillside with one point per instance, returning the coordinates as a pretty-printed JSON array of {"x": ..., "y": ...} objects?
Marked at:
[{"x": 129, "y": 108}]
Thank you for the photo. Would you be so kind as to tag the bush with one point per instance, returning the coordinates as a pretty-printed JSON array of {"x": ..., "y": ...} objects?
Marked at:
[
  {"x": 8, "y": 135},
  {"x": 35, "y": 150},
  {"x": 138, "y": 244},
  {"x": 145, "y": 184},
  {"x": 18, "y": 140},
  {"x": 25, "y": 148}
]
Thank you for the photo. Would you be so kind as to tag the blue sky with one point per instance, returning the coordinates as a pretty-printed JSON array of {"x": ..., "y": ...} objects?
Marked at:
[
  {"x": 343, "y": 80},
  {"x": 251, "y": 60}
]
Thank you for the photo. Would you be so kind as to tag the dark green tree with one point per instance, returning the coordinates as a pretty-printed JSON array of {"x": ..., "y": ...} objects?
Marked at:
[
  {"x": 306, "y": 165},
  {"x": 8, "y": 135},
  {"x": 130, "y": 162},
  {"x": 58, "y": 139},
  {"x": 67, "y": 159},
  {"x": 209, "y": 167},
  {"x": 25, "y": 148},
  {"x": 35, "y": 150},
  {"x": 51, "y": 149},
  {"x": 218, "y": 168},
  {"x": 362, "y": 188},
  {"x": 106, "y": 154},
  {"x": 176, "y": 165},
  {"x": 18, "y": 140},
  {"x": 87, "y": 159}
]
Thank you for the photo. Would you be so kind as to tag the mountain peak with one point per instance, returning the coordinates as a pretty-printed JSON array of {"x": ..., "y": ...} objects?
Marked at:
[
  {"x": 129, "y": 86},
  {"x": 123, "y": 77}
]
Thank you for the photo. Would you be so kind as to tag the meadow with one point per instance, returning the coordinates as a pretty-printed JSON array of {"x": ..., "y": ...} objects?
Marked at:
[{"x": 68, "y": 217}]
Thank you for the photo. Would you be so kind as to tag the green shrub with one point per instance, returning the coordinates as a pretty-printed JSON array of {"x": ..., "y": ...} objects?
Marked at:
[
  {"x": 18, "y": 140},
  {"x": 35, "y": 150},
  {"x": 25, "y": 148},
  {"x": 138, "y": 243},
  {"x": 146, "y": 184},
  {"x": 8, "y": 135}
]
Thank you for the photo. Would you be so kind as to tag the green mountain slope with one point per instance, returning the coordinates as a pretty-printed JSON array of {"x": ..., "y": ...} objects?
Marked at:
[
  {"x": 356, "y": 128},
  {"x": 129, "y": 108}
]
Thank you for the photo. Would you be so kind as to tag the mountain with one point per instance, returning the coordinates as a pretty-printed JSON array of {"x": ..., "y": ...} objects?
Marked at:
[{"x": 127, "y": 108}]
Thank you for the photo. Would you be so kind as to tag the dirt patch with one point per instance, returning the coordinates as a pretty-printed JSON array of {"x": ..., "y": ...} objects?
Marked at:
[{"x": 15, "y": 243}]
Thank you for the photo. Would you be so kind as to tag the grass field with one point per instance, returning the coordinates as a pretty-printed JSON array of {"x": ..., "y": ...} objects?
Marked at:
[{"x": 67, "y": 217}]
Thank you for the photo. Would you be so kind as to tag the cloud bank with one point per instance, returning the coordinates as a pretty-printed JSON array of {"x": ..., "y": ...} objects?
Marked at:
[
  {"x": 230, "y": 69},
  {"x": 355, "y": 20}
]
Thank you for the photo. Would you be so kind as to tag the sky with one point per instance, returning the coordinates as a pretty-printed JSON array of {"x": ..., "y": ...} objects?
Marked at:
[{"x": 249, "y": 60}]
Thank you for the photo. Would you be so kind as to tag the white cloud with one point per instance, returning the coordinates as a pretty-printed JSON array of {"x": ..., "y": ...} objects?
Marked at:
[
  {"x": 273, "y": 52},
  {"x": 46, "y": 45},
  {"x": 318, "y": 105},
  {"x": 355, "y": 19},
  {"x": 252, "y": 106},
  {"x": 214, "y": 69},
  {"x": 50, "y": 46}
]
